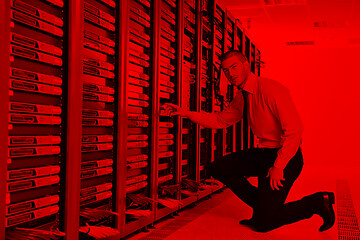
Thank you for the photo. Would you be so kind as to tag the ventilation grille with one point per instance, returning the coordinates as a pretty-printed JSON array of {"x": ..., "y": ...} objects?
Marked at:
[
  {"x": 348, "y": 228},
  {"x": 299, "y": 43},
  {"x": 330, "y": 24},
  {"x": 354, "y": 41},
  {"x": 269, "y": 3}
]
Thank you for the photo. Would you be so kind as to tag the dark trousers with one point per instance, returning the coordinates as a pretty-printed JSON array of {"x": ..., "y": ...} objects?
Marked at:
[{"x": 269, "y": 210}]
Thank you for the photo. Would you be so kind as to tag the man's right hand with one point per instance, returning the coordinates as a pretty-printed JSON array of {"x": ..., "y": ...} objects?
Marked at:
[{"x": 174, "y": 110}]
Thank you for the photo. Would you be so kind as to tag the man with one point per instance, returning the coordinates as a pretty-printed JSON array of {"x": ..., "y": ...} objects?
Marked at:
[{"x": 277, "y": 162}]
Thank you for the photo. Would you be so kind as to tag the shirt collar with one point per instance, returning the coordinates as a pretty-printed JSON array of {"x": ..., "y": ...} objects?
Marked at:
[{"x": 250, "y": 83}]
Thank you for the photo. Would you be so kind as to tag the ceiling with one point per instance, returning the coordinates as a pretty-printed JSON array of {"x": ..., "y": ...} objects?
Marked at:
[{"x": 291, "y": 22}]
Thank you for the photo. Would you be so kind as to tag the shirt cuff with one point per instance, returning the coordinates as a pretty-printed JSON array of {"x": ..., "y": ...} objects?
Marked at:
[{"x": 280, "y": 163}]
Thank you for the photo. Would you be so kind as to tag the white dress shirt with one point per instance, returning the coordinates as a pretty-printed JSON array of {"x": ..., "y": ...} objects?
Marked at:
[{"x": 272, "y": 117}]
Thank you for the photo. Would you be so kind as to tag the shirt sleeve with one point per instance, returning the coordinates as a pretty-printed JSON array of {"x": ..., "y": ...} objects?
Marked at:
[
  {"x": 229, "y": 116},
  {"x": 292, "y": 128}
]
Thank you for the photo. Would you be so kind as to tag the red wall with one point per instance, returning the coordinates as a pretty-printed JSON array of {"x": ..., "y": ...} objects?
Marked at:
[{"x": 324, "y": 83}]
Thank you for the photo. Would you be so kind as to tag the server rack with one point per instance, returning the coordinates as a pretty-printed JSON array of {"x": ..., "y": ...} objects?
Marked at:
[
  {"x": 252, "y": 60},
  {"x": 244, "y": 137},
  {"x": 98, "y": 144},
  {"x": 258, "y": 62},
  {"x": 205, "y": 86},
  {"x": 229, "y": 133},
  {"x": 258, "y": 65},
  {"x": 36, "y": 177},
  {"x": 219, "y": 98},
  {"x": 4, "y": 107},
  {"x": 188, "y": 88},
  {"x": 189, "y": 162},
  {"x": 101, "y": 140},
  {"x": 246, "y": 127},
  {"x": 239, "y": 45},
  {"x": 168, "y": 152},
  {"x": 139, "y": 110}
]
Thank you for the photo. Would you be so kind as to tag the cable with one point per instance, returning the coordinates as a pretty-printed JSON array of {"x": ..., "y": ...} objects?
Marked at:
[
  {"x": 139, "y": 199},
  {"x": 170, "y": 203},
  {"x": 94, "y": 215},
  {"x": 190, "y": 185},
  {"x": 137, "y": 213},
  {"x": 98, "y": 231},
  {"x": 170, "y": 189}
]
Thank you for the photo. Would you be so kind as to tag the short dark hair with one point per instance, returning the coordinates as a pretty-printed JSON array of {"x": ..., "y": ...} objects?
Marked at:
[{"x": 233, "y": 52}]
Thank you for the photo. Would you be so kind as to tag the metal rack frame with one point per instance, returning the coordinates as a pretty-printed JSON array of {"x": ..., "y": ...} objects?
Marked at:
[
  {"x": 4, "y": 106},
  {"x": 74, "y": 121}
]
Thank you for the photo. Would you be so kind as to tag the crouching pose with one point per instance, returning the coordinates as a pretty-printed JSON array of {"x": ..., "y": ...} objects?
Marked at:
[{"x": 278, "y": 160}]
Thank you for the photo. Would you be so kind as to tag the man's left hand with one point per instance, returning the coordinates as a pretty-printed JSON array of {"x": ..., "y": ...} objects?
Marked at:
[{"x": 276, "y": 176}]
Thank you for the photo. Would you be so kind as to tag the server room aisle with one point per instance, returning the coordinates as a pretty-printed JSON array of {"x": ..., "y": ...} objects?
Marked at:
[{"x": 217, "y": 218}]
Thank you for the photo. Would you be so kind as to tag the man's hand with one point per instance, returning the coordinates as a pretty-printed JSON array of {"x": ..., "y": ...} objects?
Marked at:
[
  {"x": 276, "y": 176},
  {"x": 173, "y": 110}
]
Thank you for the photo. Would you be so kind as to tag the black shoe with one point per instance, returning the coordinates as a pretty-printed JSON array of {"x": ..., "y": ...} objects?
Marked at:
[
  {"x": 326, "y": 211},
  {"x": 248, "y": 222}
]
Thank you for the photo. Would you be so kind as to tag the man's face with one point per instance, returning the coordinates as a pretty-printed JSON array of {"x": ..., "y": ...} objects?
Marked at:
[{"x": 235, "y": 71}]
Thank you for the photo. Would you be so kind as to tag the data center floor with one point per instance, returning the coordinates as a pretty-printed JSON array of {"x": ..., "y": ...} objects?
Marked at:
[{"x": 217, "y": 218}]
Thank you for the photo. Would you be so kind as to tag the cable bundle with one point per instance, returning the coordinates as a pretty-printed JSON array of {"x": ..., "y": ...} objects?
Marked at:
[
  {"x": 94, "y": 215},
  {"x": 135, "y": 213},
  {"x": 213, "y": 181},
  {"x": 191, "y": 185},
  {"x": 170, "y": 189},
  {"x": 170, "y": 203},
  {"x": 204, "y": 186},
  {"x": 98, "y": 232},
  {"x": 188, "y": 193},
  {"x": 139, "y": 200},
  {"x": 33, "y": 234}
]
